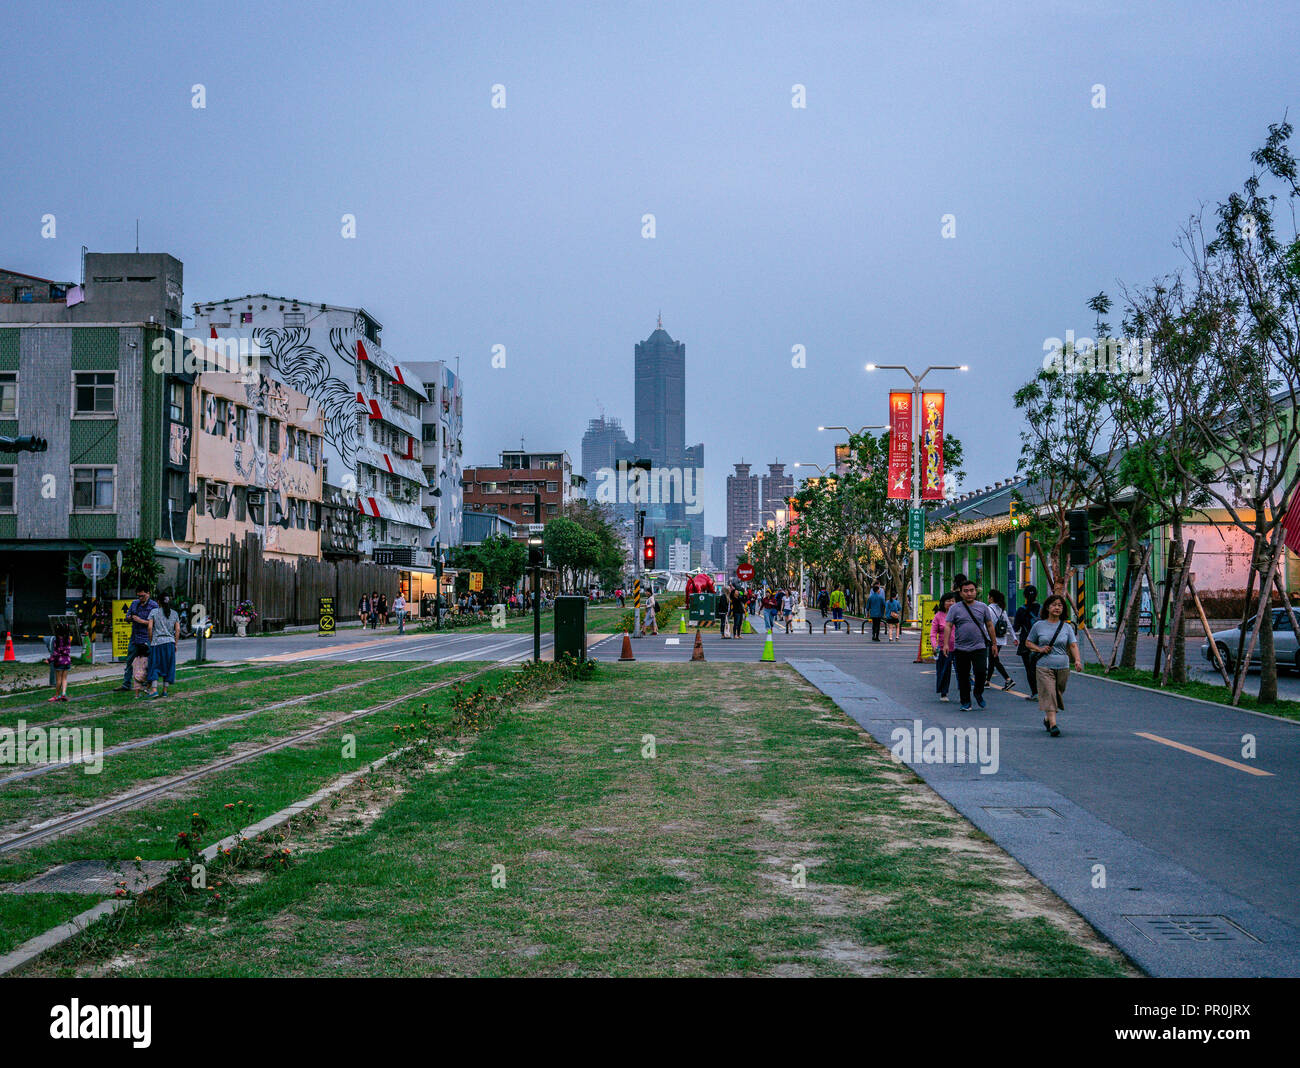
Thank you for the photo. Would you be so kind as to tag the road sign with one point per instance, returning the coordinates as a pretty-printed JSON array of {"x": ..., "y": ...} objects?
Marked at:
[
  {"x": 744, "y": 572},
  {"x": 476, "y": 581},
  {"x": 325, "y": 616},
  {"x": 121, "y": 630},
  {"x": 916, "y": 528},
  {"x": 95, "y": 565}
]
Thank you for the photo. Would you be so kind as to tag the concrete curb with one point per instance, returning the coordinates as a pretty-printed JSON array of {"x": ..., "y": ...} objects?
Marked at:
[{"x": 1184, "y": 697}]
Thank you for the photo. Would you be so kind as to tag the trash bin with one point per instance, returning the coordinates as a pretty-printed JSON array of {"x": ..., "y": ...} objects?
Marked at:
[{"x": 571, "y": 627}]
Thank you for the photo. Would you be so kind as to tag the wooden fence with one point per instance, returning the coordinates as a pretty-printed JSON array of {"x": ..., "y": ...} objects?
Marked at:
[{"x": 226, "y": 574}]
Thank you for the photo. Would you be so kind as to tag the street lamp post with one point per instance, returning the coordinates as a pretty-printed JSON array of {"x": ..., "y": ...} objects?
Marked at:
[{"x": 916, "y": 459}]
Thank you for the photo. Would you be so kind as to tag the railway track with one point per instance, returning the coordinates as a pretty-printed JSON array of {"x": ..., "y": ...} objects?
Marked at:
[
  {"x": 96, "y": 812},
  {"x": 207, "y": 724}
]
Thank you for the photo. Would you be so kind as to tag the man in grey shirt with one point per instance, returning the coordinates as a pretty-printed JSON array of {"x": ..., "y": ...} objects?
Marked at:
[{"x": 973, "y": 641}]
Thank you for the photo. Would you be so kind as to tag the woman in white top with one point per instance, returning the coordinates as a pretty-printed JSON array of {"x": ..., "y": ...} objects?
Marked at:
[{"x": 1001, "y": 634}]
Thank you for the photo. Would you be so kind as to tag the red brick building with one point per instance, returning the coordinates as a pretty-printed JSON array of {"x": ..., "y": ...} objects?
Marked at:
[{"x": 507, "y": 489}]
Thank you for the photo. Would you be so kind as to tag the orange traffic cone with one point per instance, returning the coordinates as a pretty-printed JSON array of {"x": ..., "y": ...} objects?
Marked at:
[
  {"x": 698, "y": 652},
  {"x": 627, "y": 648},
  {"x": 9, "y": 647}
]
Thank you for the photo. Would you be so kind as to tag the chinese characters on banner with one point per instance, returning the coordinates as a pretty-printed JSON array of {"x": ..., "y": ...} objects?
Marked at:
[
  {"x": 932, "y": 446},
  {"x": 900, "y": 446}
]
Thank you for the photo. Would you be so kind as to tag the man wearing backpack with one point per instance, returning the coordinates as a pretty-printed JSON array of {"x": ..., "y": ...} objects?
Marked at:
[
  {"x": 973, "y": 642},
  {"x": 1001, "y": 635},
  {"x": 1026, "y": 617}
]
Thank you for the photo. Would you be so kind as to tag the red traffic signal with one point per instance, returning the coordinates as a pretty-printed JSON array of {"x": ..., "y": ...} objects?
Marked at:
[{"x": 648, "y": 552}]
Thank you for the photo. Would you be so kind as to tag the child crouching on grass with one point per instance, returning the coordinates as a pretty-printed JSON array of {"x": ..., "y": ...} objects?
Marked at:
[{"x": 61, "y": 660}]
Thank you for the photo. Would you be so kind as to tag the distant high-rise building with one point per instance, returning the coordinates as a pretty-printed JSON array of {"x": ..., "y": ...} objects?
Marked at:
[
  {"x": 778, "y": 488},
  {"x": 660, "y": 379},
  {"x": 742, "y": 512},
  {"x": 603, "y": 445}
]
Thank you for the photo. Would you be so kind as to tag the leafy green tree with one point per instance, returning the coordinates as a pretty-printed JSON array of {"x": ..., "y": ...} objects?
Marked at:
[{"x": 572, "y": 549}]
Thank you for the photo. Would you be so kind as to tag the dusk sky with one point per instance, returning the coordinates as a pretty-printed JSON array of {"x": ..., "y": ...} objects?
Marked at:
[{"x": 775, "y": 226}]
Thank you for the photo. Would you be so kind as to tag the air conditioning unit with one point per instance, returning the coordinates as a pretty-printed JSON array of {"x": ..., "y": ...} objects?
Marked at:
[{"x": 255, "y": 497}]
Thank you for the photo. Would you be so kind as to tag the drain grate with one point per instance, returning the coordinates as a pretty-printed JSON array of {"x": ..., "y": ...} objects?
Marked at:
[
  {"x": 1172, "y": 928},
  {"x": 1022, "y": 812},
  {"x": 94, "y": 877}
]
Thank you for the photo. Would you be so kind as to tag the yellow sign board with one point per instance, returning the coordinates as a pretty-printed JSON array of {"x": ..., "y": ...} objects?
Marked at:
[
  {"x": 121, "y": 629},
  {"x": 476, "y": 581},
  {"x": 929, "y": 608},
  {"x": 325, "y": 616}
]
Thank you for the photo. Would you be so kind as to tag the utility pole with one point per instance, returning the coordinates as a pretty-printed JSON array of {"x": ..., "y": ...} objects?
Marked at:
[
  {"x": 537, "y": 576},
  {"x": 915, "y": 600}
]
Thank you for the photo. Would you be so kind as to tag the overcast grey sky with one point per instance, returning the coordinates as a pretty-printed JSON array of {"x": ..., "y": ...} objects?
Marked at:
[{"x": 775, "y": 226}]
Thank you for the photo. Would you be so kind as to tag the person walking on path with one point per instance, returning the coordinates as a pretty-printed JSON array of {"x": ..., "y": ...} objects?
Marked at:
[
  {"x": 771, "y": 605},
  {"x": 823, "y": 602},
  {"x": 1026, "y": 616},
  {"x": 973, "y": 643},
  {"x": 893, "y": 617},
  {"x": 1054, "y": 645},
  {"x": 837, "y": 606},
  {"x": 61, "y": 660},
  {"x": 787, "y": 608},
  {"x": 1002, "y": 635},
  {"x": 164, "y": 625},
  {"x": 941, "y": 643},
  {"x": 138, "y": 613},
  {"x": 399, "y": 610},
  {"x": 722, "y": 609},
  {"x": 876, "y": 610},
  {"x": 651, "y": 605},
  {"x": 363, "y": 611},
  {"x": 383, "y": 610},
  {"x": 737, "y": 613}
]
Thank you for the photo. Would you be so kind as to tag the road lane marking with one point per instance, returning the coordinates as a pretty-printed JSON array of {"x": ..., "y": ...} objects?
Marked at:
[{"x": 1202, "y": 753}]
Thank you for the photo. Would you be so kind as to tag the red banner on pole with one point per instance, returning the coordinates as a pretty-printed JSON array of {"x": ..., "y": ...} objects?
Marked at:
[
  {"x": 932, "y": 447},
  {"x": 900, "y": 446}
]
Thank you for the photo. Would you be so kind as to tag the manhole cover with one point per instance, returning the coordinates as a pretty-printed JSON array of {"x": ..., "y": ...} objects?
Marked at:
[
  {"x": 1022, "y": 812},
  {"x": 94, "y": 877},
  {"x": 1190, "y": 929}
]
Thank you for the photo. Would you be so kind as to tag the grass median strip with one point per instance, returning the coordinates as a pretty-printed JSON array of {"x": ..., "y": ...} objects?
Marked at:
[
  {"x": 1205, "y": 691},
  {"x": 664, "y": 819}
]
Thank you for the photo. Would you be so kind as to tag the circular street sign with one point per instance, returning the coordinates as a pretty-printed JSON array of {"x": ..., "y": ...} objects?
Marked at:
[
  {"x": 95, "y": 565},
  {"x": 744, "y": 572}
]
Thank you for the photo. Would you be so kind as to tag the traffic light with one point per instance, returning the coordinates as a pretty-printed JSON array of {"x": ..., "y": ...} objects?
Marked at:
[
  {"x": 648, "y": 552},
  {"x": 27, "y": 443},
  {"x": 1078, "y": 521},
  {"x": 1015, "y": 519},
  {"x": 535, "y": 556}
]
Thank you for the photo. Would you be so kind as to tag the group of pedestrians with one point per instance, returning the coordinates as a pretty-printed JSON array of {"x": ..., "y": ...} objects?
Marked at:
[
  {"x": 733, "y": 605},
  {"x": 969, "y": 638},
  {"x": 151, "y": 655}
]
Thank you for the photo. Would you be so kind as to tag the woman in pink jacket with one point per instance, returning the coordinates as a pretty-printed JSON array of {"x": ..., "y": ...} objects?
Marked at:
[{"x": 941, "y": 641}]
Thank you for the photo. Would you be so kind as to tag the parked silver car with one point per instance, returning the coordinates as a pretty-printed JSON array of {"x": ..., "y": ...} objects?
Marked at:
[{"x": 1284, "y": 642}]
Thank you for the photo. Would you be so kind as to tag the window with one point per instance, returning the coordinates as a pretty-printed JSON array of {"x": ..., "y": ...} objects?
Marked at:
[
  {"x": 431, "y": 432},
  {"x": 7, "y": 475},
  {"x": 241, "y": 503},
  {"x": 219, "y": 423},
  {"x": 176, "y": 401},
  {"x": 277, "y": 510},
  {"x": 552, "y": 487},
  {"x": 289, "y": 442},
  {"x": 313, "y": 515},
  {"x": 261, "y": 432},
  {"x": 314, "y": 445},
  {"x": 301, "y": 508},
  {"x": 275, "y": 437},
  {"x": 176, "y": 496},
  {"x": 216, "y": 500},
  {"x": 294, "y": 320},
  {"x": 9, "y": 394},
  {"x": 92, "y": 489},
  {"x": 23, "y": 294},
  {"x": 241, "y": 423},
  {"x": 94, "y": 393},
  {"x": 302, "y": 447},
  {"x": 257, "y": 506},
  {"x": 551, "y": 509}
]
